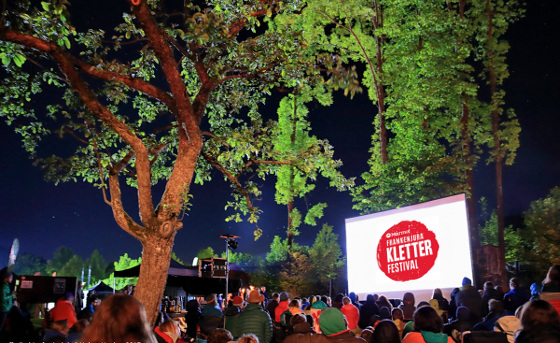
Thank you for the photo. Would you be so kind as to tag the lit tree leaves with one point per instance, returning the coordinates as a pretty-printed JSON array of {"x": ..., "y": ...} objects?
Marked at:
[{"x": 542, "y": 236}]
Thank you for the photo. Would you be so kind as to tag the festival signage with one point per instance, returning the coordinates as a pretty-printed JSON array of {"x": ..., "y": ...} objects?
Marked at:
[
  {"x": 410, "y": 249},
  {"x": 407, "y": 251}
]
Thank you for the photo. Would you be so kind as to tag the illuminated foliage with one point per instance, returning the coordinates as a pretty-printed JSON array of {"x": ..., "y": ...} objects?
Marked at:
[
  {"x": 542, "y": 234},
  {"x": 171, "y": 91},
  {"x": 123, "y": 263},
  {"x": 326, "y": 255}
]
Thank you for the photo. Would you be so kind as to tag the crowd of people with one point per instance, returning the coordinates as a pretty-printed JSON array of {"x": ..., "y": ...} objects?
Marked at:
[{"x": 520, "y": 315}]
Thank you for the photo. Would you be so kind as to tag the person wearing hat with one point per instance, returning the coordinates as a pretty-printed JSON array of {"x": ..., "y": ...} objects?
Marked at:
[
  {"x": 231, "y": 313},
  {"x": 469, "y": 297},
  {"x": 211, "y": 315},
  {"x": 333, "y": 324},
  {"x": 64, "y": 309},
  {"x": 316, "y": 308},
  {"x": 211, "y": 309},
  {"x": 254, "y": 320}
]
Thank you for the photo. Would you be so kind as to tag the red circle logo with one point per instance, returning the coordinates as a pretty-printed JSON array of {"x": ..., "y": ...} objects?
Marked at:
[{"x": 407, "y": 251}]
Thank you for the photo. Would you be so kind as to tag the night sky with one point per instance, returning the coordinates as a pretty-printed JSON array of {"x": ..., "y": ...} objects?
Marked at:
[{"x": 44, "y": 216}]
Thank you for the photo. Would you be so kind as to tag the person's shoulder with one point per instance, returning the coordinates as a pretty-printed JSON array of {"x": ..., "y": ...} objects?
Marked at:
[{"x": 413, "y": 337}]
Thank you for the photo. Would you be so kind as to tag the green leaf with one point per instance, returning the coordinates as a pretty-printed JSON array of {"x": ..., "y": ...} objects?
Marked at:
[
  {"x": 6, "y": 59},
  {"x": 19, "y": 60}
]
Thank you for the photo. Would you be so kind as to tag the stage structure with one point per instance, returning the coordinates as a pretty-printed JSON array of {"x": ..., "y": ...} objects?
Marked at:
[{"x": 415, "y": 248}]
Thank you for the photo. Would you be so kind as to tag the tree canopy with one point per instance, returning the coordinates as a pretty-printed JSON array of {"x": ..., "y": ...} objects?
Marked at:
[{"x": 164, "y": 94}]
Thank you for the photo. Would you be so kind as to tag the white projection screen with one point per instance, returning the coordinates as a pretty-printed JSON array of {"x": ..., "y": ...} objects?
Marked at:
[{"x": 415, "y": 248}]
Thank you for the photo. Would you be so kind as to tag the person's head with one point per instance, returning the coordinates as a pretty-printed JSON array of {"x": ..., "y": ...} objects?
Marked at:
[
  {"x": 7, "y": 277},
  {"x": 294, "y": 304},
  {"x": 367, "y": 334},
  {"x": 427, "y": 319},
  {"x": 284, "y": 296},
  {"x": 255, "y": 297},
  {"x": 94, "y": 300},
  {"x": 312, "y": 299},
  {"x": 514, "y": 282},
  {"x": 332, "y": 321},
  {"x": 553, "y": 275},
  {"x": 454, "y": 292},
  {"x": 298, "y": 318},
  {"x": 60, "y": 326},
  {"x": 437, "y": 294},
  {"x": 346, "y": 301},
  {"x": 466, "y": 282},
  {"x": 353, "y": 296},
  {"x": 248, "y": 338},
  {"x": 408, "y": 299},
  {"x": 170, "y": 327},
  {"x": 275, "y": 296},
  {"x": 338, "y": 297},
  {"x": 397, "y": 314},
  {"x": 384, "y": 300},
  {"x": 325, "y": 299},
  {"x": 263, "y": 289},
  {"x": 539, "y": 334},
  {"x": 386, "y": 331},
  {"x": 537, "y": 312},
  {"x": 488, "y": 285},
  {"x": 210, "y": 299},
  {"x": 219, "y": 336},
  {"x": 536, "y": 288},
  {"x": 68, "y": 296},
  {"x": 370, "y": 298},
  {"x": 237, "y": 301},
  {"x": 384, "y": 312},
  {"x": 120, "y": 318},
  {"x": 495, "y": 306}
]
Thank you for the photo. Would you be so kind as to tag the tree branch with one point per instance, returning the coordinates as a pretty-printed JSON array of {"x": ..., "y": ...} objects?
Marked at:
[{"x": 233, "y": 179}]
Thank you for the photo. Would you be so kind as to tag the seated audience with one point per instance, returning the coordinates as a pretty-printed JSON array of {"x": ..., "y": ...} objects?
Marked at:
[{"x": 428, "y": 328}]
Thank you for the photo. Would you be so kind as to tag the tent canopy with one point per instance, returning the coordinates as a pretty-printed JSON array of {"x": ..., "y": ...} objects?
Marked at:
[
  {"x": 175, "y": 268},
  {"x": 101, "y": 288},
  {"x": 187, "y": 278}
]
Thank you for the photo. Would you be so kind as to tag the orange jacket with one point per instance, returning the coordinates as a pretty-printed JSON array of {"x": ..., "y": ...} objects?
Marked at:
[
  {"x": 352, "y": 315},
  {"x": 63, "y": 310}
]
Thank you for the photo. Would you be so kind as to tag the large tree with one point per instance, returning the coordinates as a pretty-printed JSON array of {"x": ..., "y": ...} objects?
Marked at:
[
  {"x": 493, "y": 22},
  {"x": 152, "y": 100}
]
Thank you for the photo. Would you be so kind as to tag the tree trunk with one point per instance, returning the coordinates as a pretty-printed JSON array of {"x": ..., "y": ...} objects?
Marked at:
[
  {"x": 291, "y": 203},
  {"x": 156, "y": 256},
  {"x": 468, "y": 161},
  {"x": 379, "y": 88},
  {"x": 493, "y": 83},
  {"x": 290, "y": 229}
]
